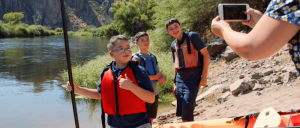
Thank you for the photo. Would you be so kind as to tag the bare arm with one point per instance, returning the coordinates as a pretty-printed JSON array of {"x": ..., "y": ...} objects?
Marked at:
[
  {"x": 206, "y": 56},
  {"x": 91, "y": 93},
  {"x": 267, "y": 37},
  {"x": 156, "y": 77}
]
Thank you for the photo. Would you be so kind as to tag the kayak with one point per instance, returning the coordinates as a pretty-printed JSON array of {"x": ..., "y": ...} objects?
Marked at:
[{"x": 266, "y": 118}]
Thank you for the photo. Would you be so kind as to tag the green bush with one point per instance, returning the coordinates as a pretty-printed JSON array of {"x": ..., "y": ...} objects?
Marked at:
[
  {"x": 39, "y": 30},
  {"x": 31, "y": 33},
  {"x": 89, "y": 28},
  {"x": 23, "y": 30},
  {"x": 46, "y": 33},
  {"x": 13, "y": 33},
  {"x": 58, "y": 29},
  {"x": 52, "y": 32},
  {"x": 4, "y": 32}
]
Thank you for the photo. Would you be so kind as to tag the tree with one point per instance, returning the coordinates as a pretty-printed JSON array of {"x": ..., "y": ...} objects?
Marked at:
[
  {"x": 13, "y": 18},
  {"x": 133, "y": 16}
]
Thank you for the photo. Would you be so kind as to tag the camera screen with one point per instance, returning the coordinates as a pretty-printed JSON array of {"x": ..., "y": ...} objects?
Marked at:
[{"x": 234, "y": 12}]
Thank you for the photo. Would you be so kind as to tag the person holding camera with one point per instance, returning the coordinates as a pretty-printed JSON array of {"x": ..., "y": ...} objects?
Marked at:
[{"x": 271, "y": 31}]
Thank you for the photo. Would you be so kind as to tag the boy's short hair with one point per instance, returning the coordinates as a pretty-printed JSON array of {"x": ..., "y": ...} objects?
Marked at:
[
  {"x": 140, "y": 34},
  {"x": 171, "y": 21},
  {"x": 113, "y": 40}
]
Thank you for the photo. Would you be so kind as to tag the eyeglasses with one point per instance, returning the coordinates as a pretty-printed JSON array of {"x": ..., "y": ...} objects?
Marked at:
[{"x": 121, "y": 50}]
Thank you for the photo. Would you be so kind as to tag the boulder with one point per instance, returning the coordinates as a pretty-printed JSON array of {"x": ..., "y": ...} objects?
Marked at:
[
  {"x": 229, "y": 54},
  {"x": 216, "y": 46},
  {"x": 239, "y": 85}
]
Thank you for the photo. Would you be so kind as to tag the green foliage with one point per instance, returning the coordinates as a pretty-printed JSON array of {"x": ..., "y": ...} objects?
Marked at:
[
  {"x": 89, "y": 28},
  {"x": 133, "y": 16},
  {"x": 107, "y": 30},
  {"x": 39, "y": 30},
  {"x": 58, "y": 29},
  {"x": 12, "y": 33},
  {"x": 22, "y": 31},
  {"x": 75, "y": 27},
  {"x": 4, "y": 32},
  {"x": 87, "y": 75},
  {"x": 160, "y": 39},
  {"x": 13, "y": 18}
]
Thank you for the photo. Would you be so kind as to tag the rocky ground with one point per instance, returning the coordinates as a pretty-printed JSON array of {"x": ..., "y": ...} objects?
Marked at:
[{"x": 238, "y": 87}]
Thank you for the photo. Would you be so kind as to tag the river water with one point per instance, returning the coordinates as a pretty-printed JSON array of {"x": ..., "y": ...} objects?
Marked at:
[{"x": 31, "y": 95}]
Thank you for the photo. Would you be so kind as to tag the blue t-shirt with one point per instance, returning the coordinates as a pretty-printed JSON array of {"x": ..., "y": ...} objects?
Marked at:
[
  {"x": 133, "y": 120},
  {"x": 189, "y": 74},
  {"x": 289, "y": 11}
]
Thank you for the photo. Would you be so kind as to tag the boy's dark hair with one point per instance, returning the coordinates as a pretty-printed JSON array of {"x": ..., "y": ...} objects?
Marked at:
[
  {"x": 113, "y": 40},
  {"x": 171, "y": 21},
  {"x": 140, "y": 34}
]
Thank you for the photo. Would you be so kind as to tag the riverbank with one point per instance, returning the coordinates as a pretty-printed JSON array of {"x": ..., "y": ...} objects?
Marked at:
[{"x": 275, "y": 84}]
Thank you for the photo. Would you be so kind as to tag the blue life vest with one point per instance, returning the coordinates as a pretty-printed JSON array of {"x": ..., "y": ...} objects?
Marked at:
[{"x": 149, "y": 65}]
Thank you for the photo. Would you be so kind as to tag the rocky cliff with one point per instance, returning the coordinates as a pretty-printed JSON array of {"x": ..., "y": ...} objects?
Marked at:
[{"x": 48, "y": 12}]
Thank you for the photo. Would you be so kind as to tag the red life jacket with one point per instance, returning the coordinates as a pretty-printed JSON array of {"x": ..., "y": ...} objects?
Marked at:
[
  {"x": 184, "y": 59},
  {"x": 113, "y": 96}
]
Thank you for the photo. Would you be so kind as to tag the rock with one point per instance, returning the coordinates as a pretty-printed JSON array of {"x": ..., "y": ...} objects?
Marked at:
[
  {"x": 267, "y": 72},
  {"x": 209, "y": 91},
  {"x": 264, "y": 80},
  {"x": 241, "y": 93},
  {"x": 255, "y": 65},
  {"x": 256, "y": 76},
  {"x": 293, "y": 74},
  {"x": 242, "y": 76},
  {"x": 258, "y": 87},
  {"x": 276, "y": 79},
  {"x": 258, "y": 93},
  {"x": 224, "y": 97},
  {"x": 239, "y": 85},
  {"x": 174, "y": 103},
  {"x": 229, "y": 54},
  {"x": 216, "y": 46},
  {"x": 225, "y": 89}
]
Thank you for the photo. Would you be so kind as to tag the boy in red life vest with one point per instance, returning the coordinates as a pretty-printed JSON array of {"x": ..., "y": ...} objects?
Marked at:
[
  {"x": 191, "y": 60},
  {"x": 149, "y": 62},
  {"x": 124, "y": 88}
]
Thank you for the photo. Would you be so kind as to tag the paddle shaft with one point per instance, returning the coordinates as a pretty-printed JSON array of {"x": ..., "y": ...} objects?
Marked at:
[{"x": 65, "y": 31}]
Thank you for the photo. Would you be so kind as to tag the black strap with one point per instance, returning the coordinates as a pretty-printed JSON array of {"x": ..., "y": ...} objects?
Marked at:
[
  {"x": 188, "y": 43},
  {"x": 246, "y": 121},
  {"x": 102, "y": 115},
  {"x": 102, "y": 111}
]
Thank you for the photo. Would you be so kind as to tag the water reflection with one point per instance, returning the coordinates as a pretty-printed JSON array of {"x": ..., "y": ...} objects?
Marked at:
[
  {"x": 30, "y": 93},
  {"x": 40, "y": 59}
]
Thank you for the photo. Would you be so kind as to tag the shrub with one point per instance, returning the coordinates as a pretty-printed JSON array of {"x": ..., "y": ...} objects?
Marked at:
[
  {"x": 4, "y": 32},
  {"x": 46, "y": 33},
  {"x": 58, "y": 29},
  {"x": 23, "y": 30},
  {"x": 13, "y": 33},
  {"x": 38, "y": 30}
]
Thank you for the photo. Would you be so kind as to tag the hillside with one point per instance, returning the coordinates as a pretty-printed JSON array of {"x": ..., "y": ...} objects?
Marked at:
[{"x": 48, "y": 12}]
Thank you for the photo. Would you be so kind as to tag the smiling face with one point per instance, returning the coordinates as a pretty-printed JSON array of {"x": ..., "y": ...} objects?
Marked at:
[
  {"x": 143, "y": 42},
  {"x": 174, "y": 30},
  {"x": 121, "y": 52}
]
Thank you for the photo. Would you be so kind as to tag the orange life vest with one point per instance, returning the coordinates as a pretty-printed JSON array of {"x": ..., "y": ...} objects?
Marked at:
[
  {"x": 184, "y": 59},
  {"x": 114, "y": 97}
]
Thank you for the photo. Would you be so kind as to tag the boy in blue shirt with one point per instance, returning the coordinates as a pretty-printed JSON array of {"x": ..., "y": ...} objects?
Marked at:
[
  {"x": 149, "y": 62},
  {"x": 191, "y": 60},
  {"x": 124, "y": 88}
]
